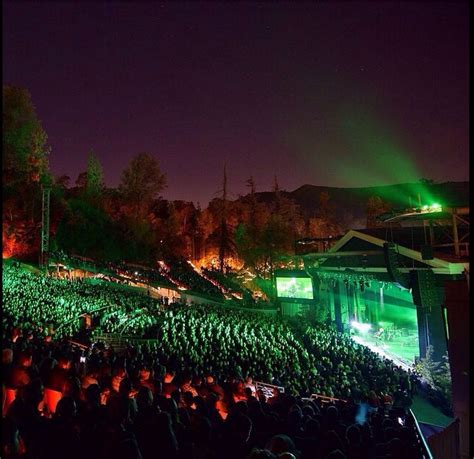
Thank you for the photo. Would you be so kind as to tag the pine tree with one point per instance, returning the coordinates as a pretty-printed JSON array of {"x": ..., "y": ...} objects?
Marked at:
[
  {"x": 429, "y": 368},
  {"x": 95, "y": 176},
  {"x": 226, "y": 243}
]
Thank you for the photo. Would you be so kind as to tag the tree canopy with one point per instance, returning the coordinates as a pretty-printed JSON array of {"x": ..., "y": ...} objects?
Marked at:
[
  {"x": 132, "y": 221},
  {"x": 95, "y": 175},
  {"x": 25, "y": 151},
  {"x": 142, "y": 181}
]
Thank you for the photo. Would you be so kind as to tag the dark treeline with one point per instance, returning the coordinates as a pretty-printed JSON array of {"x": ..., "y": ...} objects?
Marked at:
[{"x": 132, "y": 222}]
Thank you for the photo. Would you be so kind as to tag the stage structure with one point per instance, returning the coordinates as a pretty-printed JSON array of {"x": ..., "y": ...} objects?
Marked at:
[
  {"x": 386, "y": 295},
  {"x": 444, "y": 228},
  {"x": 401, "y": 288}
]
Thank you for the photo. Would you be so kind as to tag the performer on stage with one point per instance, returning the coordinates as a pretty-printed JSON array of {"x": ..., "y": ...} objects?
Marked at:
[{"x": 379, "y": 334}]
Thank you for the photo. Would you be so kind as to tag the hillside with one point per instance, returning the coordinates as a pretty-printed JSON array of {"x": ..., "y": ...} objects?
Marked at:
[{"x": 350, "y": 203}]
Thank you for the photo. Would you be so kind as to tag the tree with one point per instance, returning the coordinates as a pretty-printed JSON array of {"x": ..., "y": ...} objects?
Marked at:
[
  {"x": 81, "y": 181},
  {"x": 326, "y": 210},
  {"x": 246, "y": 246},
  {"x": 141, "y": 182},
  {"x": 195, "y": 233},
  {"x": 173, "y": 232},
  {"x": 25, "y": 152},
  {"x": 63, "y": 181},
  {"x": 95, "y": 176},
  {"x": 250, "y": 228},
  {"x": 375, "y": 207},
  {"x": 437, "y": 374},
  {"x": 254, "y": 211},
  {"x": 24, "y": 168},
  {"x": 325, "y": 223},
  {"x": 276, "y": 191},
  {"x": 226, "y": 243},
  {"x": 86, "y": 230},
  {"x": 283, "y": 222}
]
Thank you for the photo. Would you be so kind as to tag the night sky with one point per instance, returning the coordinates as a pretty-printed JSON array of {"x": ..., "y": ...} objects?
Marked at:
[{"x": 308, "y": 92}]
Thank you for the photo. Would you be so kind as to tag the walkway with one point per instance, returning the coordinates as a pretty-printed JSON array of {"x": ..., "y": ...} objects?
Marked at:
[{"x": 426, "y": 413}]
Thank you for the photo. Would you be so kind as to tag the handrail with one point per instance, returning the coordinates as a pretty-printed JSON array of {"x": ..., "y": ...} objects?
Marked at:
[
  {"x": 426, "y": 450},
  {"x": 326, "y": 398},
  {"x": 79, "y": 345},
  {"x": 82, "y": 315},
  {"x": 273, "y": 386}
]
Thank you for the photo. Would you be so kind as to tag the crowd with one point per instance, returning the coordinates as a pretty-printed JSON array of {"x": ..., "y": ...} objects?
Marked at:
[
  {"x": 305, "y": 360},
  {"x": 50, "y": 306},
  {"x": 75, "y": 261},
  {"x": 97, "y": 404},
  {"x": 189, "y": 391}
]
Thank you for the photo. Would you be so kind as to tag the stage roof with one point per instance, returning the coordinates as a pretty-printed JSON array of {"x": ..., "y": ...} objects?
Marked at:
[{"x": 369, "y": 257}]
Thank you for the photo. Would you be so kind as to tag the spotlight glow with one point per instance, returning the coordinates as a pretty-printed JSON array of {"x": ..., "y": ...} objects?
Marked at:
[{"x": 361, "y": 327}]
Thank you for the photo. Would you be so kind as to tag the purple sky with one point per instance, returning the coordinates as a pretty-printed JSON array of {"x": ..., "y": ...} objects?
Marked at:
[{"x": 264, "y": 87}]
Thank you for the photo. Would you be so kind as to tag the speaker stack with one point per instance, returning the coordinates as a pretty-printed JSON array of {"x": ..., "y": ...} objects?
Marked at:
[
  {"x": 426, "y": 293},
  {"x": 393, "y": 267}
]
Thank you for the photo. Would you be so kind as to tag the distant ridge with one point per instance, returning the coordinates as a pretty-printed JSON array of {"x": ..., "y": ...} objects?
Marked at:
[{"x": 350, "y": 203}]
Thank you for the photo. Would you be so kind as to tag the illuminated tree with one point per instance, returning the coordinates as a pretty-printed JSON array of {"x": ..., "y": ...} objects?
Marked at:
[
  {"x": 25, "y": 167},
  {"x": 25, "y": 152}
]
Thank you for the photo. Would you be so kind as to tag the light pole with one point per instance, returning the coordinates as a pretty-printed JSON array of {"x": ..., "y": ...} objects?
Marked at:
[{"x": 45, "y": 226}]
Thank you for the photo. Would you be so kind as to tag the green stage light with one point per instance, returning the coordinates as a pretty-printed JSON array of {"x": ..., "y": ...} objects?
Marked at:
[{"x": 361, "y": 327}]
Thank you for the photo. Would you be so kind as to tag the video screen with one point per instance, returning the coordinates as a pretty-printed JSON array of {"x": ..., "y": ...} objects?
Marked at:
[{"x": 294, "y": 287}]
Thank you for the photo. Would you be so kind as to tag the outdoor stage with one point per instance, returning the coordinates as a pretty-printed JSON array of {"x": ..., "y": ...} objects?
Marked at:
[{"x": 383, "y": 318}]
